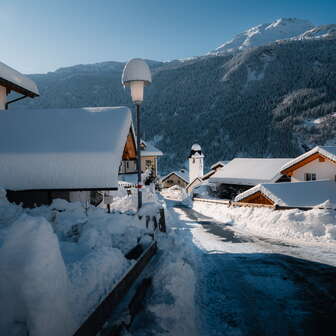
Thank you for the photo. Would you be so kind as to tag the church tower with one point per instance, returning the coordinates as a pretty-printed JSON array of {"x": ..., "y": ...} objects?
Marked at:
[{"x": 196, "y": 159}]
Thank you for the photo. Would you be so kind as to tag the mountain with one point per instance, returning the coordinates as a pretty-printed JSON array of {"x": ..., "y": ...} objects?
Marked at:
[
  {"x": 274, "y": 100},
  {"x": 325, "y": 31},
  {"x": 264, "y": 34}
]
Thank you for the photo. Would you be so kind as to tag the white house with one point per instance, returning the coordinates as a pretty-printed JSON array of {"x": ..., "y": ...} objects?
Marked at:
[
  {"x": 63, "y": 153},
  {"x": 316, "y": 164},
  {"x": 12, "y": 80}
]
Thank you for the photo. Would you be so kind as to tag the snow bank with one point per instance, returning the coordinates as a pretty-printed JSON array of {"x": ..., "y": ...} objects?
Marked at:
[
  {"x": 177, "y": 193},
  {"x": 58, "y": 262},
  {"x": 34, "y": 286},
  {"x": 315, "y": 224},
  {"x": 171, "y": 307}
]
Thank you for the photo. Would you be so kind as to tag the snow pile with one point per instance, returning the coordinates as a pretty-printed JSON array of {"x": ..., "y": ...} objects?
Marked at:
[
  {"x": 126, "y": 200},
  {"x": 34, "y": 285},
  {"x": 312, "y": 225},
  {"x": 58, "y": 263},
  {"x": 177, "y": 193},
  {"x": 202, "y": 191},
  {"x": 171, "y": 308}
]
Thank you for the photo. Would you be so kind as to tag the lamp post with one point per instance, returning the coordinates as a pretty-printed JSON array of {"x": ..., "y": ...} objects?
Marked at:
[{"x": 136, "y": 75}]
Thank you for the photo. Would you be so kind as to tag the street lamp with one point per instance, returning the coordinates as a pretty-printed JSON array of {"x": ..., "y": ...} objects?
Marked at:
[{"x": 136, "y": 75}]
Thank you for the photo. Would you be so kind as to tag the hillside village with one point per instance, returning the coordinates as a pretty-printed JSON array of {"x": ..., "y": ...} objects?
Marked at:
[{"x": 105, "y": 232}]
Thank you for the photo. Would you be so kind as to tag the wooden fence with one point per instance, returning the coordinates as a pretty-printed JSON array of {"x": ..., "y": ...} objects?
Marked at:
[
  {"x": 251, "y": 205},
  {"x": 96, "y": 320}
]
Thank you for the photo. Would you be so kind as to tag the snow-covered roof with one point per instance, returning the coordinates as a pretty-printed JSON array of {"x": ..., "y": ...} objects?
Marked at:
[
  {"x": 295, "y": 194},
  {"x": 77, "y": 148},
  {"x": 208, "y": 174},
  {"x": 183, "y": 174},
  {"x": 150, "y": 150},
  {"x": 245, "y": 171},
  {"x": 17, "y": 81},
  {"x": 327, "y": 151},
  {"x": 219, "y": 163}
]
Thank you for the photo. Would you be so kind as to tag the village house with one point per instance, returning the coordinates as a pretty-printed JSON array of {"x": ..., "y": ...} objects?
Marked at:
[
  {"x": 316, "y": 164},
  {"x": 297, "y": 195},
  {"x": 13, "y": 81},
  {"x": 63, "y": 153},
  {"x": 179, "y": 178},
  {"x": 149, "y": 162},
  {"x": 184, "y": 178},
  {"x": 312, "y": 182},
  {"x": 241, "y": 174}
]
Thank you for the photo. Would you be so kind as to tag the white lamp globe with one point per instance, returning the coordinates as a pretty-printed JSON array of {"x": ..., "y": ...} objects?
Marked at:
[{"x": 136, "y": 75}]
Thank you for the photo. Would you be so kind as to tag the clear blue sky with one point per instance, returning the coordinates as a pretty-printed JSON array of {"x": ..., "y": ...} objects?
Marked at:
[{"x": 42, "y": 35}]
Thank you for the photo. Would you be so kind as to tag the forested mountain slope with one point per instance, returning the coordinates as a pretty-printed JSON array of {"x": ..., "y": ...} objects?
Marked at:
[{"x": 273, "y": 100}]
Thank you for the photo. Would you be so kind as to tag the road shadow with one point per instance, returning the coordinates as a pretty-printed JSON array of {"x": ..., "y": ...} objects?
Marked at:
[
  {"x": 266, "y": 294},
  {"x": 221, "y": 230}
]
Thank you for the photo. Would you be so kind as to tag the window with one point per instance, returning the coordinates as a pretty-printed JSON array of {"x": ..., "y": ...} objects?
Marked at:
[
  {"x": 310, "y": 177},
  {"x": 149, "y": 163}
]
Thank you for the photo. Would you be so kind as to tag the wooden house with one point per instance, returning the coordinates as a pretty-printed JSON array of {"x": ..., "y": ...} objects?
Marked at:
[
  {"x": 298, "y": 195},
  {"x": 179, "y": 178},
  {"x": 13, "y": 81},
  {"x": 149, "y": 160},
  {"x": 63, "y": 153},
  {"x": 244, "y": 173}
]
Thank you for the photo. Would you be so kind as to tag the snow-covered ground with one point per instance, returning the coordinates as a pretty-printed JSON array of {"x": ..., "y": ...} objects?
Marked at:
[
  {"x": 313, "y": 230},
  {"x": 58, "y": 262},
  {"x": 221, "y": 277}
]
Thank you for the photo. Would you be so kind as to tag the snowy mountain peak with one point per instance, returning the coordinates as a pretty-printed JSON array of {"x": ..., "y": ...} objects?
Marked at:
[
  {"x": 325, "y": 31},
  {"x": 262, "y": 34}
]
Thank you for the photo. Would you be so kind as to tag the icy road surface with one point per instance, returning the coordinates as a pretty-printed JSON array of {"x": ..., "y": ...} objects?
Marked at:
[{"x": 244, "y": 285}]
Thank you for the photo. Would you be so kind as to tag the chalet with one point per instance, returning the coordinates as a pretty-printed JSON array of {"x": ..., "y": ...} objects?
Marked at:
[
  {"x": 13, "y": 81},
  {"x": 300, "y": 194},
  {"x": 242, "y": 174},
  {"x": 316, "y": 164},
  {"x": 63, "y": 153},
  {"x": 149, "y": 158},
  {"x": 180, "y": 178}
]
